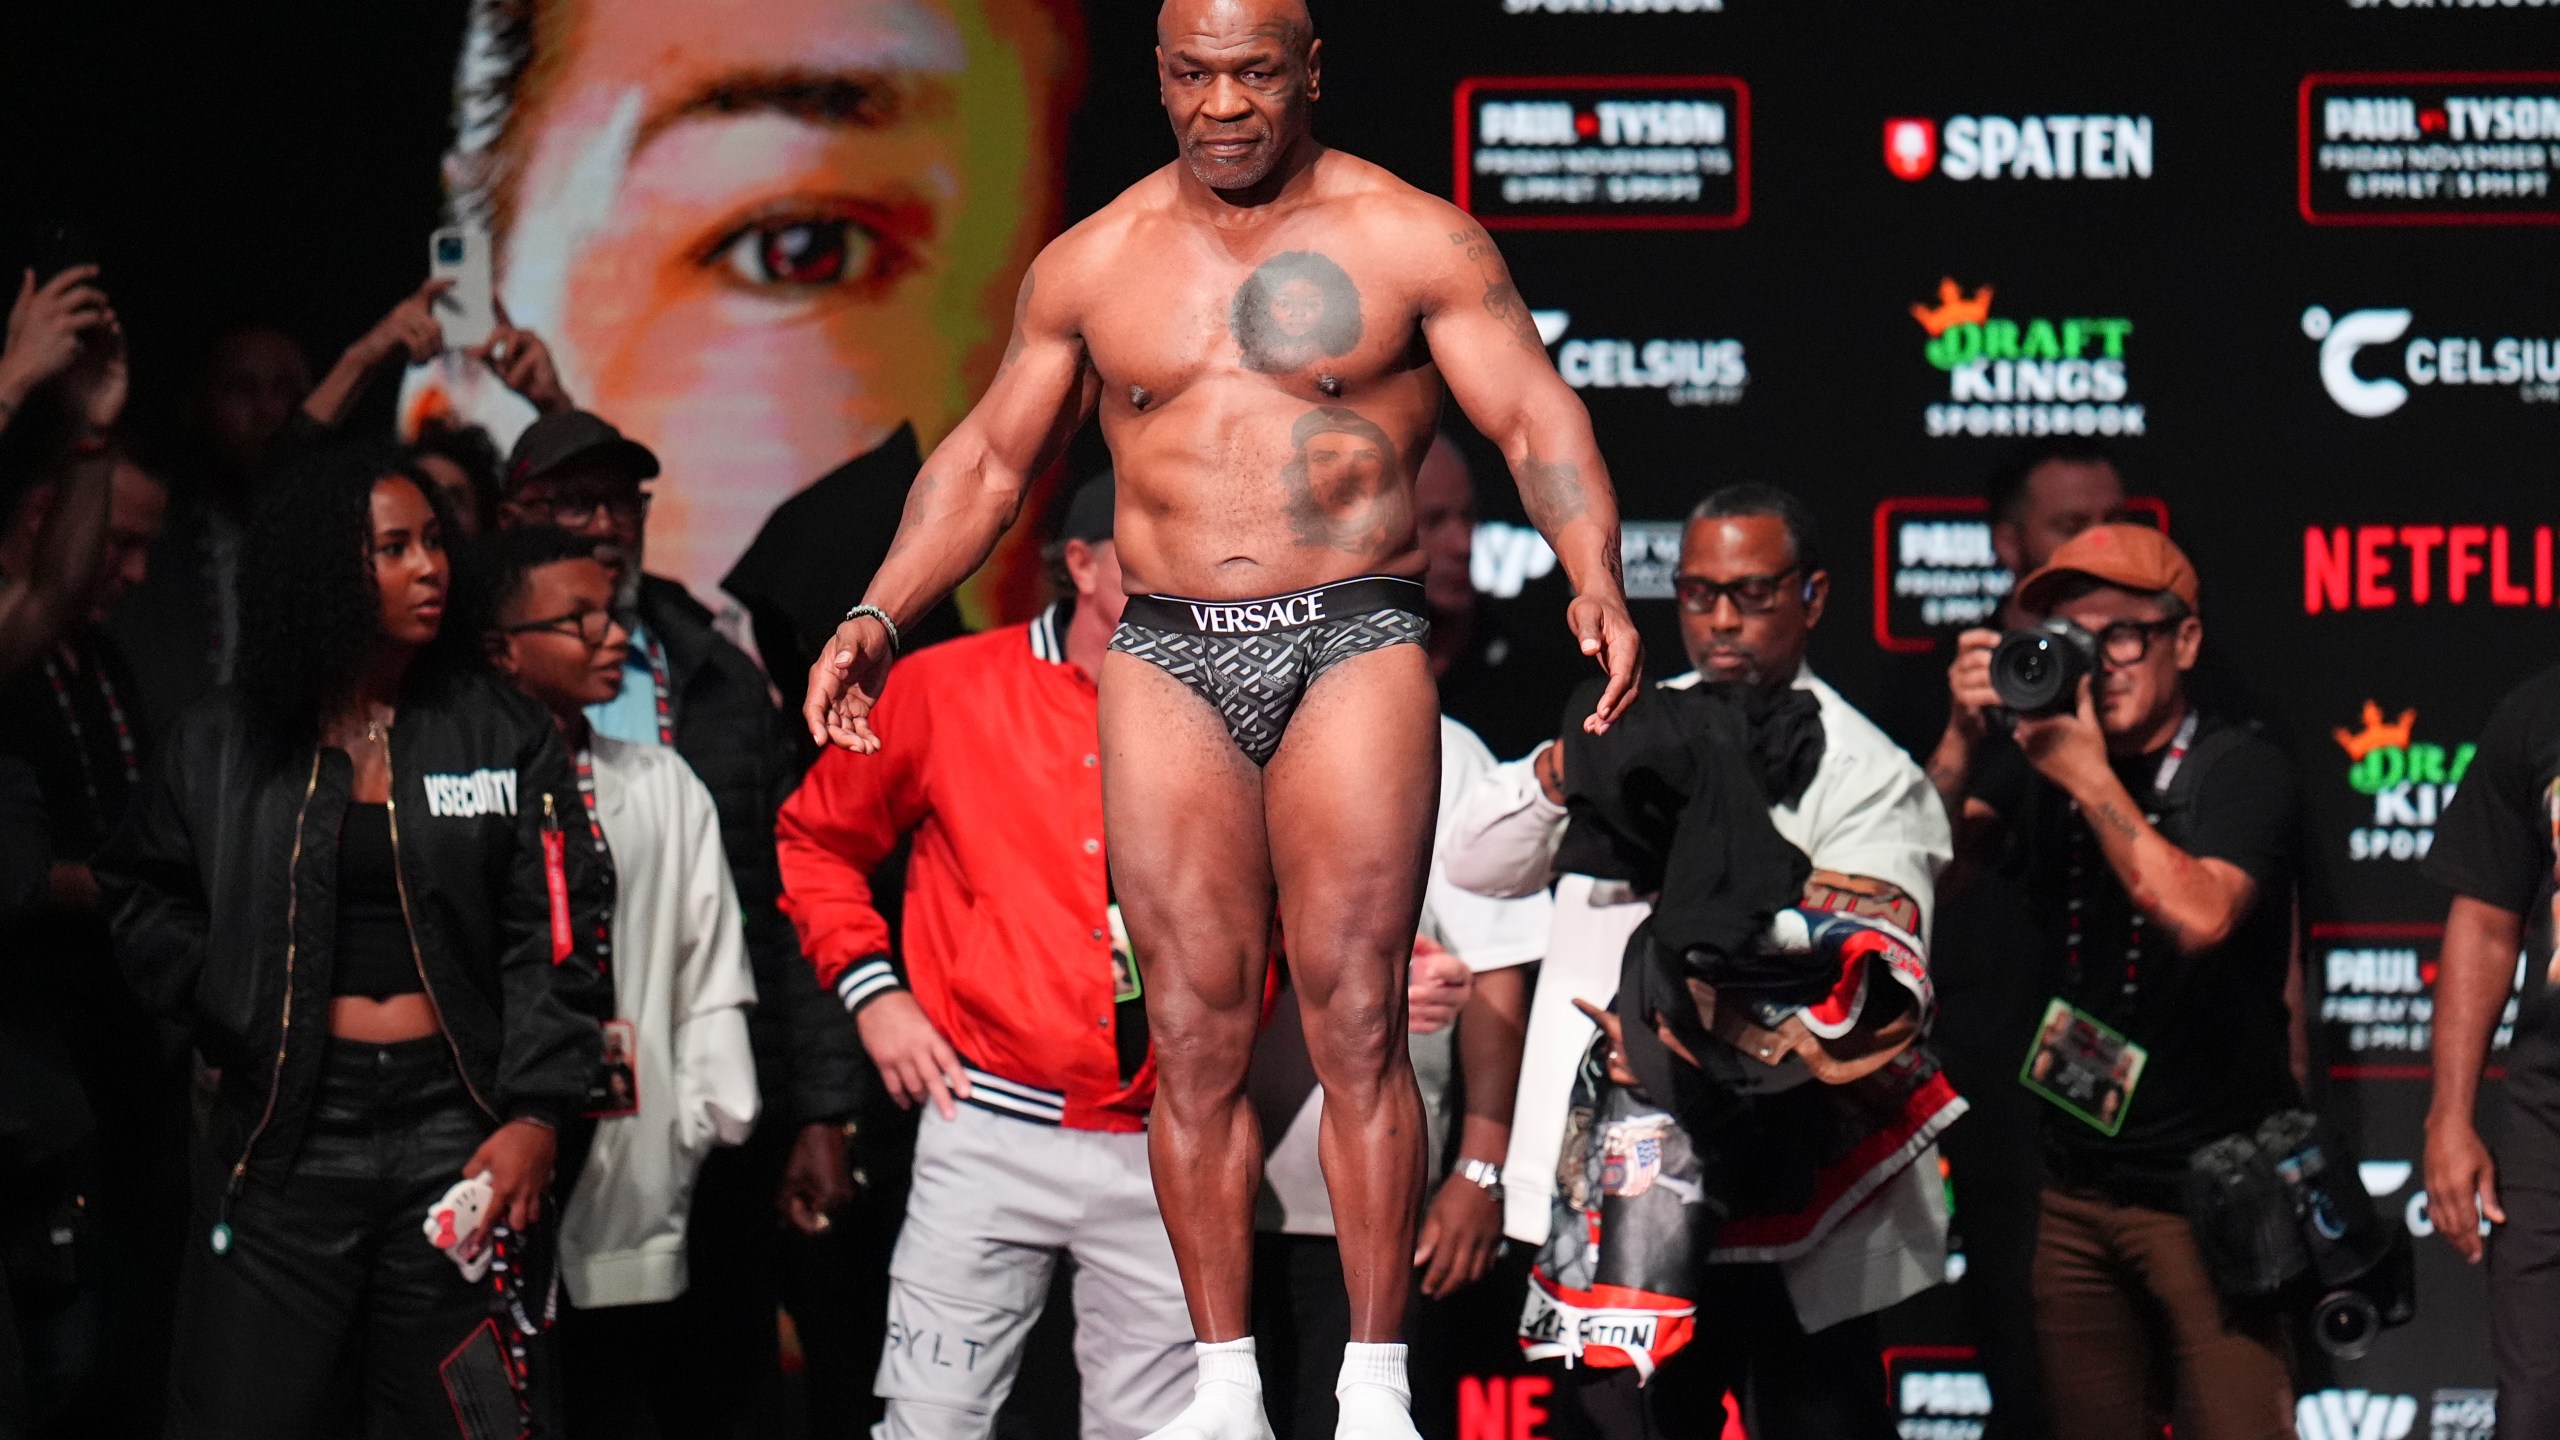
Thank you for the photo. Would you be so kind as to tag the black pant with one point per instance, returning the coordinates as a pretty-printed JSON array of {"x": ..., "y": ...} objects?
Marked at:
[
  {"x": 708, "y": 1363},
  {"x": 328, "y": 1257},
  {"x": 1791, "y": 1386}
]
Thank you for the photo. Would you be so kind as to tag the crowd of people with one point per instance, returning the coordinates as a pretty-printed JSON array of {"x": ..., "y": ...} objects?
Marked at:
[{"x": 448, "y": 996}]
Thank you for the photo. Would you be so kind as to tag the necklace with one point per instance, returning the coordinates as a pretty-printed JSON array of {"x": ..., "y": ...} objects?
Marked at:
[{"x": 79, "y": 735}]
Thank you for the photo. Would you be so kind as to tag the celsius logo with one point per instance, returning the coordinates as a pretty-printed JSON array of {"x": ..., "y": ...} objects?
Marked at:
[
  {"x": 2040, "y": 376},
  {"x": 1685, "y": 371},
  {"x": 2530, "y": 363},
  {"x": 2354, "y": 1415},
  {"x": 2035, "y": 147}
]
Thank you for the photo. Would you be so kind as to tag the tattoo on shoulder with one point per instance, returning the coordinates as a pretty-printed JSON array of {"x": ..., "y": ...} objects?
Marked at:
[
  {"x": 1502, "y": 299},
  {"x": 1297, "y": 308},
  {"x": 1343, "y": 480}
]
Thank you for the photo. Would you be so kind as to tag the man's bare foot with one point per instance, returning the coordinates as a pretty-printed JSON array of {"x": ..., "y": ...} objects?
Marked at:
[
  {"x": 1227, "y": 1405},
  {"x": 1376, "y": 1400}
]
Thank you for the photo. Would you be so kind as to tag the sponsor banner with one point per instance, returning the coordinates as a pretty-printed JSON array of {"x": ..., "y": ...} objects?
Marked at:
[
  {"x": 1938, "y": 1392},
  {"x": 1936, "y": 572},
  {"x": 1685, "y": 371},
  {"x": 2012, "y": 371},
  {"x": 2370, "y": 359},
  {"x": 1507, "y": 557},
  {"x": 2354, "y": 1415},
  {"x": 1614, "y": 7},
  {"x": 2409, "y": 781},
  {"x": 2433, "y": 148},
  {"x": 2377, "y": 1002},
  {"x": 2019, "y": 147},
  {"x": 2463, "y": 1415},
  {"x": 2384, "y": 567},
  {"x": 1604, "y": 152}
]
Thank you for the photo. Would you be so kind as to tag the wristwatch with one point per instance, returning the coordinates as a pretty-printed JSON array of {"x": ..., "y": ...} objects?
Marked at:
[{"x": 1484, "y": 1174}]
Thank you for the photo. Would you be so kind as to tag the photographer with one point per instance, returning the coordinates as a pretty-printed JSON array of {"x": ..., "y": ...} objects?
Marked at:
[
  {"x": 2153, "y": 843},
  {"x": 2495, "y": 849}
]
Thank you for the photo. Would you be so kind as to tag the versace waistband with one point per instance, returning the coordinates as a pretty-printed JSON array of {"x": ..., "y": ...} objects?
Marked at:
[{"x": 1340, "y": 600}]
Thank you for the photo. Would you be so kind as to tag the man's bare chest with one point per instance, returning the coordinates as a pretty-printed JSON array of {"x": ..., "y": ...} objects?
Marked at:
[{"x": 1301, "y": 317}]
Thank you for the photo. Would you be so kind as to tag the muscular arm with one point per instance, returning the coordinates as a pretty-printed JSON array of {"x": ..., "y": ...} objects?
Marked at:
[
  {"x": 2475, "y": 970},
  {"x": 1488, "y": 351},
  {"x": 968, "y": 492}
]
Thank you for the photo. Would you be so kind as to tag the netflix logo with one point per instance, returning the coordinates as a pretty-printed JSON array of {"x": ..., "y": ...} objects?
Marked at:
[{"x": 2383, "y": 567}]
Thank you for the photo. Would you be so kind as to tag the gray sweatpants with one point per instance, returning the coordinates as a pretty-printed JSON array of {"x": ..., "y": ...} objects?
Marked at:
[{"x": 996, "y": 1202}]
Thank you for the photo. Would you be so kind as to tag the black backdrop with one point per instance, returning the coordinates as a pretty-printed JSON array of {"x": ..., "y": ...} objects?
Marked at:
[{"x": 280, "y": 160}]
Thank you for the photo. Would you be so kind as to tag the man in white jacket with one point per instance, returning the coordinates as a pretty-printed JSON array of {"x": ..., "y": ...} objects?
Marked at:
[
  {"x": 1784, "y": 1316},
  {"x": 678, "y": 1076}
]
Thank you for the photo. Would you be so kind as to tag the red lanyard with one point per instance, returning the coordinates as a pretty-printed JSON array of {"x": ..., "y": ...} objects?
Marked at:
[
  {"x": 80, "y": 736},
  {"x": 2076, "y": 910},
  {"x": 657, "y": 654},
  {"x": 595, "y": 827}
]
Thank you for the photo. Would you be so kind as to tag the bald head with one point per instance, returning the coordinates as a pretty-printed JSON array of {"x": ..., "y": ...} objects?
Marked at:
[{"x": 1286, "y": 21}]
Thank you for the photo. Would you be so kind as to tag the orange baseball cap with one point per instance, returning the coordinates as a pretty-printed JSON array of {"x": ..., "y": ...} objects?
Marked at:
[{"x": 2130, "y": 557}]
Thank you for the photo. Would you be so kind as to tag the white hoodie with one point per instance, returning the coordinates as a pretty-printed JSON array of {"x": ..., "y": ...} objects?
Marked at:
[{"x": 681, "y": 987}]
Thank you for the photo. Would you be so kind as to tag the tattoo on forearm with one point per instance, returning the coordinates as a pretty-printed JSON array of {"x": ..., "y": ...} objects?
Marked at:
[
  {"x": 1552, "y": 489},
  {"x": 1342, "y": 481},
  {"x": 2113, "y": 817},
  {"x": 1298, "y": 308}
]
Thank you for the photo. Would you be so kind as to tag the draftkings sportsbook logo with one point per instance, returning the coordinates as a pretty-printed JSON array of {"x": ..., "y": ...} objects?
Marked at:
[
  {"x": 2042, "y": 375},
  {"x": 2367, "y": 355},
  {"x": 2409, "y": 781}
]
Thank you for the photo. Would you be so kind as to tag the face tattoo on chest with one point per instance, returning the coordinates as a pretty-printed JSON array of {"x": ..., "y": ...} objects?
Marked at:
[{"x": 1298, "y": 308}]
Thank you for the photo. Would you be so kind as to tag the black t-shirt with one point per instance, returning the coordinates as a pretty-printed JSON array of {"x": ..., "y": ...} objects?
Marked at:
[
  {"x": 2215, "y": 1024},
  {"x": 2496, "y": 845}
]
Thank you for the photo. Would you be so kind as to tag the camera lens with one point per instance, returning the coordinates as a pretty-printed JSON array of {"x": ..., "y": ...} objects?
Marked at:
[
  {"x": 2346, "y": 1322},
  {"x": 449, "y": 249},
  {"x": 2029, "y": 672}
]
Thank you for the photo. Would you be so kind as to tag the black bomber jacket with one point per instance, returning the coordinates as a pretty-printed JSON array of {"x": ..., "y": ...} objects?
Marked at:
[{"x": 222, "y": 886}]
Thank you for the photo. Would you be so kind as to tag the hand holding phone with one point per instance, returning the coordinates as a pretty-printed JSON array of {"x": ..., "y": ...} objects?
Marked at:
[{"x": 467, "y": 308}]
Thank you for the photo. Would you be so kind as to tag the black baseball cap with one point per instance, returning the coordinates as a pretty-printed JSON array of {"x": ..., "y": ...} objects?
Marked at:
[
  {"x": 1089, "y": 514},
  {"x": 574, "y": 435}
]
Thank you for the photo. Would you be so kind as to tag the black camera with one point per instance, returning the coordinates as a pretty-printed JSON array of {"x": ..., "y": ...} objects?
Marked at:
[
  {"x": 2038, "y": 671},
  {"x": 2283, "y": 1214}
]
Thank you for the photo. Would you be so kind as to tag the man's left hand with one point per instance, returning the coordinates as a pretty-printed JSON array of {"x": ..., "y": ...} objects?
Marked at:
[
  {"x": 1460, "y": 1235},
  {"x": 815, "y": 1180},
  {"x": 2069, "y": 749},
  {"x": 523, "y": 364},
  {"x": 1607, "y": 634}
]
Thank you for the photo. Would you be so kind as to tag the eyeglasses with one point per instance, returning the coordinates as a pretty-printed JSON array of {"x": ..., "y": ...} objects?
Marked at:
[
  {"x": 2126, "y": 642},
  {"x": 588, "y": 627},
  {"x": 574, "y": 508},
  {"x": 1752, "y": 594}
]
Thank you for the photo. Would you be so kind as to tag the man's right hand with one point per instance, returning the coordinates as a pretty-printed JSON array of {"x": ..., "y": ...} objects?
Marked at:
[
  {"x": 1607, "y": 634},
  {"x": 915, "y": 1062},
  {"x": 47, "y": 326},
  {"x": 2462, "y": 1185},
  {"x": 845, "y": 684},
  {"x": 1969, "y": 684}
]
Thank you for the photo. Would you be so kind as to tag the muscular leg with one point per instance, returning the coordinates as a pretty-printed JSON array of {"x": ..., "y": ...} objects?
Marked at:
[
  {"x": 1183, "y": 810},
  {"x": 1350, "y": 799}
]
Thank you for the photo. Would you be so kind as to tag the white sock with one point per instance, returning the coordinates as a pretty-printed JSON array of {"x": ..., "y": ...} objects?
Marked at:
[
  {"x": 1375, "y": 1398},
  {"x": 1226, "y": 1400}
]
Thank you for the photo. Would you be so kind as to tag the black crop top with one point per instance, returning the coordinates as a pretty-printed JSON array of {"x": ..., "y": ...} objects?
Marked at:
[{"x": 374, "y": 957}]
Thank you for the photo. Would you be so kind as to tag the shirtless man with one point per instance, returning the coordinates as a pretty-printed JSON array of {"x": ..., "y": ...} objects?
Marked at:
[{"x": 1267, "y": 327}]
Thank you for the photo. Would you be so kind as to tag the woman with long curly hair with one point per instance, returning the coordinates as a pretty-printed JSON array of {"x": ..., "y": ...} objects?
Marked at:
[{"x": 350, "y": 882}]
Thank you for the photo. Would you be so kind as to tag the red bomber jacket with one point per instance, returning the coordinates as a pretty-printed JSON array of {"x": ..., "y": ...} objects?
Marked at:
[{"x": 990, "y": 757}]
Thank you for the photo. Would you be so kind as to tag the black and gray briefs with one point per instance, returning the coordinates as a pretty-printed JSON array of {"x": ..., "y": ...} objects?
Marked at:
[{"x": 1254, "y": 659}]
